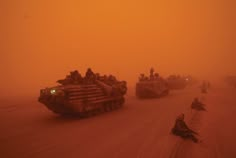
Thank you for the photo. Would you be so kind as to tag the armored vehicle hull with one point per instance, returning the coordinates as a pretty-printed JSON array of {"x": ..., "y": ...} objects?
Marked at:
[
  {"x": 176, "y": 82},
  {"x": 151, "y": 89},
  {"x": 152, "y": 86},
  {"x": 83, "y": 98}
]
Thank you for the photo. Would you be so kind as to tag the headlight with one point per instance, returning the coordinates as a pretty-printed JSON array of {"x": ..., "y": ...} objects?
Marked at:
[
  {"x": 53, "y": 91},
  {"x": 57, "y": 92}
]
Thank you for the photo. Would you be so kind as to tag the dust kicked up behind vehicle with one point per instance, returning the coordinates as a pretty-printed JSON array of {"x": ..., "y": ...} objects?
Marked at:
[
  {"x": 82, "y": 95},
  {"x": 153, "y": 86}
]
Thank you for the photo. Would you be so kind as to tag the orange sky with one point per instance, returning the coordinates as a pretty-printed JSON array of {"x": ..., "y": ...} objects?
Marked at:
[{"x": 42, "y": 41}]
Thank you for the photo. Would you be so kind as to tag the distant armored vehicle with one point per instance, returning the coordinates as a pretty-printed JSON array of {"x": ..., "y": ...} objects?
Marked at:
[
  {"x": 189, "y": 80},
  {"x": 204, "y": 87},
  {"x": 153, "y": 86},
  {"x": 83, "y": 95},
  {"x": 176, "y": 82}
]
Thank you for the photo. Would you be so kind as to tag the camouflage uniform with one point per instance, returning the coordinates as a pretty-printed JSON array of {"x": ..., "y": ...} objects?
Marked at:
[{"x": 181, "y": 129}]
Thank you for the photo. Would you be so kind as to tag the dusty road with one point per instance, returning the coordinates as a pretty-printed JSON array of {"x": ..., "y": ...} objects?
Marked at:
[{"x": 141, "y": 129}]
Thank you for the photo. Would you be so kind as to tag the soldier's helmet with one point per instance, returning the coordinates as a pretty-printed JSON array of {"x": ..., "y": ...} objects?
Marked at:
[
  {"x": 180, "y": 117},
  {"x": 76, "y": 72}
]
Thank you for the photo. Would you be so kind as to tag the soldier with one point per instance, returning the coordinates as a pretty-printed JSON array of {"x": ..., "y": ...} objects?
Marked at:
[
  {"x": 146, "y": 78},
  {"x": 89, "y": 73},
  {"x": 196, "y": 104},
  {"x": 181, "y": 129},
  {"x": 105, "y": 78},
  {"x": 111, "y": 79},
  {"x": 151, "y": 73},
  {"x": 76, "y": 77},
  {"x": 141, "y": 77},
  {"x": 90, "y": 76}
]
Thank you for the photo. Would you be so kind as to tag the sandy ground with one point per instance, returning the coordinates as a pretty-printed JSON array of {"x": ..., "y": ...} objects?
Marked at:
[{"x": 141, "y": 129}]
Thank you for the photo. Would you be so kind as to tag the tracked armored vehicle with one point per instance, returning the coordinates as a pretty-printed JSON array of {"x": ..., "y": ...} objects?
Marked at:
[
  {"x": 83, "y": 95},
  {"x": 153, "y": 86},
  {"x": 176, "y": 82},
  {"x": 189, "y": 80}
]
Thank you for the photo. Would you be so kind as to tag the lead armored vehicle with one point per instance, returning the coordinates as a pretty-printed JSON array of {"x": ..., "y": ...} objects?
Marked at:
[
  {"x": 81, "y": 95},
  {"x": 153, "y": 86}
]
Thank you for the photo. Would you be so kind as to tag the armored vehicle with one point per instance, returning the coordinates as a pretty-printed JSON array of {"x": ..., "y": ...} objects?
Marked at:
[
  {"x": 83, "y": 95},
  {"x": 153, "y": 86},
  {"x": 189, "y": 80},
  {"x": 176, "y": 82}
]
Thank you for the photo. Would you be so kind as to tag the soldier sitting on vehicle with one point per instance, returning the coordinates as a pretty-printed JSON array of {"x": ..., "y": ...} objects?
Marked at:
[
  {"x": 89, "y": 73},
  {"x": 141, "y": 77},
  {"x": 111, "y": 80},
  {"x": 105, "y": 78},
  {"x": 181, "y": 129},
  {"x": 89, "y": 76},
  {"x": 76, "y": 77},
  {"x": 196, "y": 104},
  {"x": 151, "y": 74}
]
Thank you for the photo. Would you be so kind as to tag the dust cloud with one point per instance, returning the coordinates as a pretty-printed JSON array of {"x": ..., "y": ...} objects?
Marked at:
[{"x": 42, "y": 41}]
